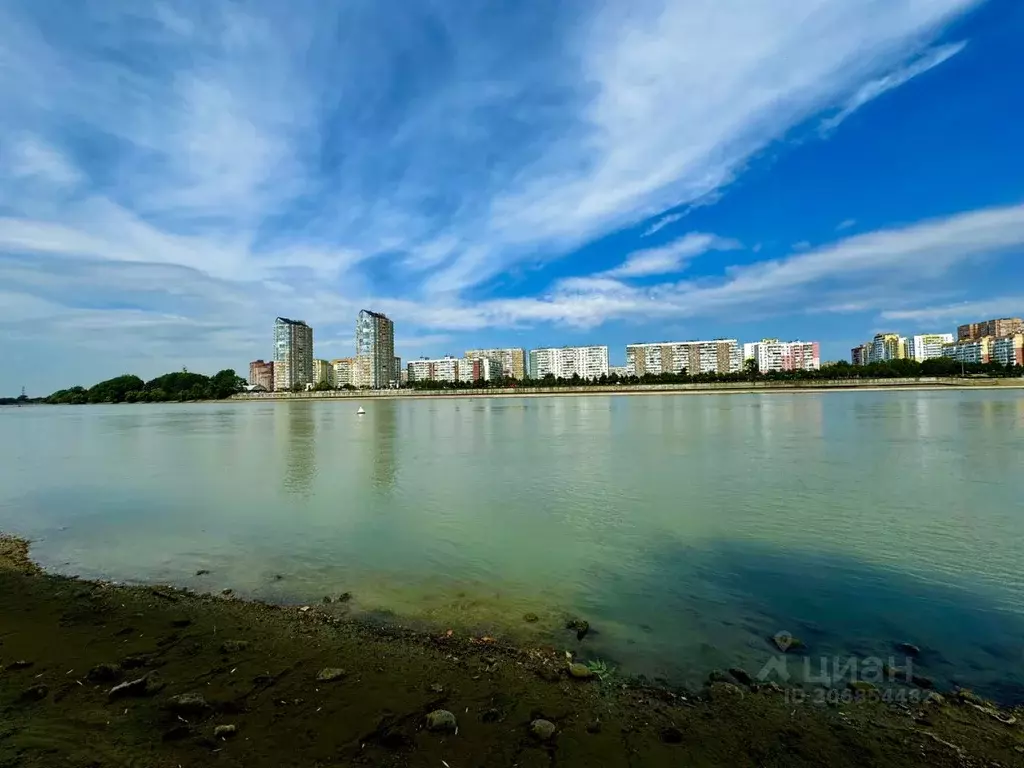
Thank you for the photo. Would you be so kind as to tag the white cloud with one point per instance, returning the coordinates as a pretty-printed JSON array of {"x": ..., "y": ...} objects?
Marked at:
[
  {"x": 871, "y": 90},
  {"x": 896, "y": 260},
  {"x": 661, "y": 223},
  {"x": 672, "y": 257},
  {"x": 964, "y": 311},
  {"x": 845, "y": 224},
  {"x": 309, "y": 163}
]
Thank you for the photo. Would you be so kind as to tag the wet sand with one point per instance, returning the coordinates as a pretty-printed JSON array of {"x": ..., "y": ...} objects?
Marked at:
[{"x": 66, "y": 643}]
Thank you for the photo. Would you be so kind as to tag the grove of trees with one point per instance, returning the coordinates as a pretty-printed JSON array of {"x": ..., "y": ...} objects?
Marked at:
[{"x": 171, "y": 387}]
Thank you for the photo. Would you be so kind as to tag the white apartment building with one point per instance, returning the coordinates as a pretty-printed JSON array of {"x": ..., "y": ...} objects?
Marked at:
[
  {"x": 565, "y": 362},
  {"x": 926, "y": 346},
  {"x": 293, "y": 354},
  {"x": 622, "y": 371},
  {"x": 513, "y": 360},
  {"x": 969, "y": 351},
  {"x": 775, "y": 355},
  {"x": 718, "y": 356}
]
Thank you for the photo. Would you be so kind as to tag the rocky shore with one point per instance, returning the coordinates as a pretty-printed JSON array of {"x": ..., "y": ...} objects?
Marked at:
[{"x": 99, "y": 675}]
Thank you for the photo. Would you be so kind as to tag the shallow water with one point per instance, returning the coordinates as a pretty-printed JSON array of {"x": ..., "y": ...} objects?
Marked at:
[{"x": 685, "y": 528}]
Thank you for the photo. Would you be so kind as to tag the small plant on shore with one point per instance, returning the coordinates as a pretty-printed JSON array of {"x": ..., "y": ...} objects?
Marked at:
[{"x": 600, "y": 669}]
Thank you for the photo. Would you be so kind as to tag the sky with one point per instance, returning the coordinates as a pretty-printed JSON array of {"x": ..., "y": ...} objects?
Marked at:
[{"x": 175, "y": 175}]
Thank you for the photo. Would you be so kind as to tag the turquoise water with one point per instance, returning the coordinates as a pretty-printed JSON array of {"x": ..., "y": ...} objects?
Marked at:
[{"x": 686, "y": 529}]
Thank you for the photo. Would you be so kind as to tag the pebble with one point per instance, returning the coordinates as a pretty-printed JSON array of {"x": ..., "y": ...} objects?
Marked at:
[
  {"x": 580, "y": 671},
  {"x": 234, "y": 646},
  {"x": 37, "y": 692},
  {"x": 330, "y": 674},
  {"x": 202, "y": 572},
  {"x": 187, "y": 704},
  {"x": 105, "y": 673},
  {"x": 580, "y": 626},
  {"x": 542, "y": 729},
  {"x": 147, "y": 684},
  {"x": 227, "y": 592},
  {"x": 741, "y": 676},
  {"x": 441, "y": 720},
  {"x": 344, "y": 597},
  {"x": 14, "y": 665},
  {"x": 531, "y": 618},
  {"x": 224, "y": 731},
  {"x": 909, "y": 648}
]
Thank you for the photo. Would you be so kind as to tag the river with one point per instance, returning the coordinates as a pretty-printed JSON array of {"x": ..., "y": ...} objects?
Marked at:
[{"x": 685, "y": 529}]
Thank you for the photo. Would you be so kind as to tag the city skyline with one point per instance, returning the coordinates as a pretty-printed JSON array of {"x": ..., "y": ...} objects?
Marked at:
[{"x": 826, "y": 169}]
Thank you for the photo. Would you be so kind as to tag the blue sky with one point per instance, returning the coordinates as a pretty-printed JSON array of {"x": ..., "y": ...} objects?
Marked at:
[{"x": 173, "y": 176}]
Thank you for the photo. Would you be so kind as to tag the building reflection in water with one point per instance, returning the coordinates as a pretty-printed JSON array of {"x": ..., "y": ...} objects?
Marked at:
[
  {"x": 298, "y": 438},
  {"x": 382, "y": 441}
]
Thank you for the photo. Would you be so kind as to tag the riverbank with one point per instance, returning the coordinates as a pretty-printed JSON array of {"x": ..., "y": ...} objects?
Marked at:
[
  {"x": 250, "y": 669},
  {"x": 722, "y": 388}
]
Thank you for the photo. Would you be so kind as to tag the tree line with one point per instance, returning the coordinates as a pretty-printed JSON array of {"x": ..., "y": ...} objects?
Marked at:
[
  {"x": 890, "y": 369},
  {"x": 171, "y": 387}
]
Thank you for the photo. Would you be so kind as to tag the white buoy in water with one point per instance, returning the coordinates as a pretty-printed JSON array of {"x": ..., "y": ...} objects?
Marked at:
[{"x": 360, "y": 412}]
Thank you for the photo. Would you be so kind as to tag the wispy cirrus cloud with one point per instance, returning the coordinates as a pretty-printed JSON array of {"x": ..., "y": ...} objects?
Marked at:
[
  {"x": 670, "y": 257},
  {"x": 871, "y": 90},
  {"x": 964, "y": 311},
  {"x": 663, "y": 222},
  {"x": 309, "y": 163},
  {"x": 911, "y": 257}
]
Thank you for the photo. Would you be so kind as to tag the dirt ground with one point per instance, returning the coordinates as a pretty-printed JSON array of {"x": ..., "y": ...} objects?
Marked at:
[{"x": 66, "y": 644}]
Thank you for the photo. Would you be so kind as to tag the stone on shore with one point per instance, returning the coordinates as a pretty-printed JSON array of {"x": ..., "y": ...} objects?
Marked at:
[
  {"x": 542, "y": 729},
  {"x": 146, "y": 685},
  {"x": 37, "y": 692},
  {"x": 909, "y": 648},
  {"x": 580, "y": 671},
  {"x": 441, "y": 720},
  {"x": 330, "y": 674},
  {"x": 741, "y": 676},
  {"x": 187, "y": 704},
  {"x": 580, "y": 626},
  {"x": 234, "y": 646},
  {"x": 531, "y": 618},
  {"x": 105, "y": 673},
  {"x": 225, "y": 731}
]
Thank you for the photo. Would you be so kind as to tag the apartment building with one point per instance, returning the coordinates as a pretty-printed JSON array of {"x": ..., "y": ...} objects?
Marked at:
[
  {"x": 998, "y": 328},
  {"x": 512, "y": 360},
  {"x": 1008, "y": 350},
  {"x": 622, "y": 371},
  {"x": 860, "y": 355},
  {"x": 293, "y": 354},
  {"x": 375, "y": 343},
  {"x": 262, "y": 374},
  {"x": 718, "y": 356},
  {"x": 343, "y": 368},
  {"x": 887, "y": 346},
  {"x": 969, "y": 350},
  {"x": 454, "y": 369},
  {"x": 775, "y": 355},
  {"x": 926, "y": 347},
  {"x": 323, "y": 373},
  {"x": 589, "y": 362}
]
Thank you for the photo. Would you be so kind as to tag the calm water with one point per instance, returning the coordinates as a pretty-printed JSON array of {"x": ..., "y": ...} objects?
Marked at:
[{"x": 685, "y": 528}]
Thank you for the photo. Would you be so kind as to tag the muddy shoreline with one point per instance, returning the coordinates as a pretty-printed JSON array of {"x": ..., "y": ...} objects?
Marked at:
[{"x": 251, "y": 670}]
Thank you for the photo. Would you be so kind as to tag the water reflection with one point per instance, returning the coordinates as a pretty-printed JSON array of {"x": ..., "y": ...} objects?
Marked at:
[
  {"x": 296, "y": 424},
  {"x": 383, "y": 444}
]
